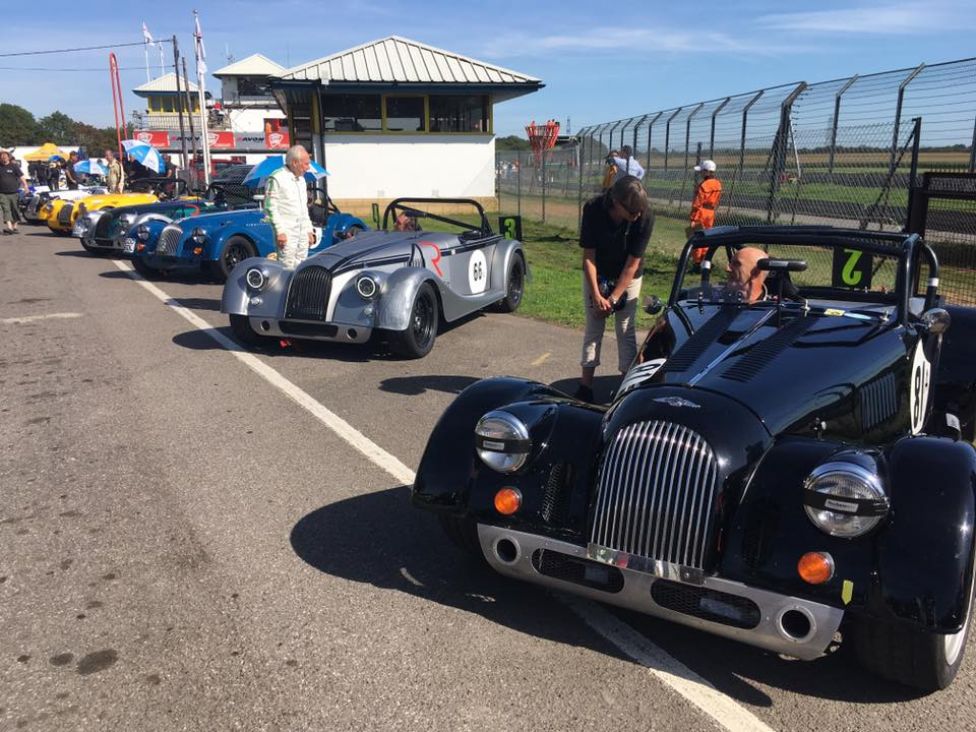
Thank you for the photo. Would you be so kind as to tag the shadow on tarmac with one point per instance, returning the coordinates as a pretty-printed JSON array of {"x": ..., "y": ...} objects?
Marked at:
[
  {"x": 359, "y": 539},
  {"x": 363, "y": 540}
]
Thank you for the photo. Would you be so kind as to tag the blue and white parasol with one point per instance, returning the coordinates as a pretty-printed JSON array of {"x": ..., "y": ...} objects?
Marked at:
[
  {"x": 90, "y": 167},
  {"x": 145, "y": 154},
  {"x": 258, "y": 175}
]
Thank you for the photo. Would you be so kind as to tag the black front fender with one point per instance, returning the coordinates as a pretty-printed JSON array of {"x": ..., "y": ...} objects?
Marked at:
[
  {"x": 451, "y": 478},
  {"x": 925, "y": 561}
]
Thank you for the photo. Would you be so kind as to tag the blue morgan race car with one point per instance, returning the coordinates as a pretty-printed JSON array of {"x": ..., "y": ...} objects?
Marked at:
[{"x": 216, "y": 242}]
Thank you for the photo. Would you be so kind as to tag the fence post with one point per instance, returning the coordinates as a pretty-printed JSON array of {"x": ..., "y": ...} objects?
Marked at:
[
  {"x": 637, "y": 127},
  {"x": 779, "y": 147},
  {"x": 972, "y": 150},
  {"x": 742, "y": 142},
  {"x": 695, "y": 111},
  {"x": 667, "y": 136},
  {"x": 913, "y": 169},
  {"x": 650, "y": 129},
  {"x": 833, "y": 130},
  {"x": 711, "y": 133},
  {"x": 543, "y": 171},
  {"x": 612, "y": 130},
  {"x": 518, "y": 181},
  {"x": 901, "y": 98},
  {"x": 579, "y": 195}
]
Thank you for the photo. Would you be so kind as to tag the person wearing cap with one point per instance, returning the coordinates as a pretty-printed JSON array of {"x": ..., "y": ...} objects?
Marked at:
[
  {"x": 614, "y": 232},
  {"x": 627, "y": 164},
  {"x": 707, "y": 195}
]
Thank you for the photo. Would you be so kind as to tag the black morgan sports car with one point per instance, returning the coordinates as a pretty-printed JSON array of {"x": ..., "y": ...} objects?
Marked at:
[{"x": 776, "y": 471}]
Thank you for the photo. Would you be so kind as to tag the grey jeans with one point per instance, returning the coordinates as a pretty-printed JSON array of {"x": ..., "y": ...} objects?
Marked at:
[
  {"x": 623, "y": 319},
  {"x": 8, "y": 208}
]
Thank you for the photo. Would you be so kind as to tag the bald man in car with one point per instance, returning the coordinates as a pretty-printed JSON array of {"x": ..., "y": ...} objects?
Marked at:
[{"x": 745, "y": 277}]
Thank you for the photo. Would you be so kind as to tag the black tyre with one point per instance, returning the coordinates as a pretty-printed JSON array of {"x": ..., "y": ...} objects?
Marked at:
[
  {"x": 417, "y": 340},
  {"x": 144, "y": 269},
  {"x": 236, "y": 250},
  {"x": 240, "y": 326},
  {"x": 925, "y": 661},
  {"x": 514, "y": 286},
  {"x": 463, "y": 532},
  {"x": 89, "y": 249}
]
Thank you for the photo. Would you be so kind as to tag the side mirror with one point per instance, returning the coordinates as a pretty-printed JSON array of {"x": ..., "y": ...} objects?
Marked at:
[
  {"x": 936, "y": 321},
  {"x": 653, "y": 305}
]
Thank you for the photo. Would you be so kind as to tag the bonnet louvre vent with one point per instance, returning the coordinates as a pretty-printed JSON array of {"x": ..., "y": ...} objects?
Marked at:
[{"x": 757, "y": 358}]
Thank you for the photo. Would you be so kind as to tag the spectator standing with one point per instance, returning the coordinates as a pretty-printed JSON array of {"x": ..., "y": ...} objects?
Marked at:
[
  {"x": 627, "y": 164},
  {"x": 12, "y": 180},
  {"x": 286, "y": 207},
  {"x": 54, "y": 173},
  {"x": 614, "y": 232},
  {"x": 116, "y": 176},
  {"x": 70, "y": 176},
  {"x": 708, "y": 193}
]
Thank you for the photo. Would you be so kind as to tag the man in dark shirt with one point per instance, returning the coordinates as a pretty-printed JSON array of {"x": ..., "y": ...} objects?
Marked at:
[
  {"x": 614, "y": 232},
  {"x": 11, "y": 181},
  {"x": 70, "y": 176}
]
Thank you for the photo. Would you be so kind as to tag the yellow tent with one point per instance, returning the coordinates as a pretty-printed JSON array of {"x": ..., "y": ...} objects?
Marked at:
[{"x": 45, "y": 151}]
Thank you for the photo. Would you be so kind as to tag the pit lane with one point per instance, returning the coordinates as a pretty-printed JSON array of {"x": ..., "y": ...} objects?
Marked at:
[{"x": 239, "y": 565}]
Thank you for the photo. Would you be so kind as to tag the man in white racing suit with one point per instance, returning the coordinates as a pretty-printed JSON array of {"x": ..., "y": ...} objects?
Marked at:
[{"x": 286, "y": 207}]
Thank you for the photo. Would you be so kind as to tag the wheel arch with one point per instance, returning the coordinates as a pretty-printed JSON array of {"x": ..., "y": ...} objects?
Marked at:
[{"x": 925, "y": 559}]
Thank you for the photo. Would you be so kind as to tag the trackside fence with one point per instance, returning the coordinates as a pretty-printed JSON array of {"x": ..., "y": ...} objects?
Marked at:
[{"x": 844, "y": 152}]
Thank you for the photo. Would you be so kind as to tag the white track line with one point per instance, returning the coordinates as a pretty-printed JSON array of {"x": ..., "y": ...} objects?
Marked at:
[
  {"x": 726, "y": 713},
  {"x": 330, "y": 419},
  {"x": 33, "y": 318}
]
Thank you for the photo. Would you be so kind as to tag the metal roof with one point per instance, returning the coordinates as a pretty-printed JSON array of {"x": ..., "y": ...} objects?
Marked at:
[
  {"x": 401, "y": 60},
  {"x": 165, "y": 83},
  {"x": 253, "y": 65}
]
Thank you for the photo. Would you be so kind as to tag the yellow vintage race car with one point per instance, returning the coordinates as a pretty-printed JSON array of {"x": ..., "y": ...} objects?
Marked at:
[{"x": 60, "y": 215}]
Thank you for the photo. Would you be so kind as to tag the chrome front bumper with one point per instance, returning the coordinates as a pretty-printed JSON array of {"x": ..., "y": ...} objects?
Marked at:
[{"x": 788, "y": 625}]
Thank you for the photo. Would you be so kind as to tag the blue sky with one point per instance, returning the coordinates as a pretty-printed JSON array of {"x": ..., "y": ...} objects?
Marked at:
[{"x": 598, "y": 60}]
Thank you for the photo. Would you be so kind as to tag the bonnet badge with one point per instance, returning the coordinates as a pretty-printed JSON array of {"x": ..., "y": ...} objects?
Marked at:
[{"x": 673, "y": 401}]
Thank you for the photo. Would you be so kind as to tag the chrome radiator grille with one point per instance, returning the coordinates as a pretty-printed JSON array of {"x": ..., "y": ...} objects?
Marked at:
[
  {"x": 308, "y": 296},
  {"x": 656, "y": 494},
  {"x": 102, "y": 224},
  {"x": 64, "y": 215},
  {"x": 169, "y": 241}
]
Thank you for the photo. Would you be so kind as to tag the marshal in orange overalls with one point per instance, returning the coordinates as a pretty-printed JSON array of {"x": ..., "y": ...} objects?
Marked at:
[{"x": 707, "y": 197}]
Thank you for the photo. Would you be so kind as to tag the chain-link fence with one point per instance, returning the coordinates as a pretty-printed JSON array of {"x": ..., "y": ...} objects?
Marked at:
[{"x": 841, "y": 152}]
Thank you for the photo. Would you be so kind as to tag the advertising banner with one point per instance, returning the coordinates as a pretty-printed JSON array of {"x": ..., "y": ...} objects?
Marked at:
[
  {"x": 156, "y": 138},
  {"x": 277, "y": 140}
]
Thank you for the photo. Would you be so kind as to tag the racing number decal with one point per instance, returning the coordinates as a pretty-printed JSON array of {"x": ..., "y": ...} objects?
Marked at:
[
  {"x": 436, "y": 259},
  {"x": 849, "y": 274},
  {"x": 918, "y": 388},
  {"x": 852, "y": 268},
  {"x": 511, "y": 226},
  {"x": 477, "y": 272}
]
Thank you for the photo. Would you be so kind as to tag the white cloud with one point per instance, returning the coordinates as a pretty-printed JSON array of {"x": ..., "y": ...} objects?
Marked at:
[
  {"x": 876, "y": 20},
  {"x": 641, "y": 42}
]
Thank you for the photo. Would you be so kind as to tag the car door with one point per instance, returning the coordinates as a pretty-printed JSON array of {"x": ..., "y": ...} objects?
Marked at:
[{"x": 469, "y": 264}]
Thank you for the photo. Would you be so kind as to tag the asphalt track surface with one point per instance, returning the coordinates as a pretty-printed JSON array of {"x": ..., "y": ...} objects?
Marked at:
[{"x": 184, "y": 546}]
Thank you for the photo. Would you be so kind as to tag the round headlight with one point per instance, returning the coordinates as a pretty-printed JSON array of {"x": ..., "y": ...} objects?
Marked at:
[
  {"x": 142, "y": 233},
  {"x": 199, "y": 235},
  {"x": 82, "y": 209},
  {"x": 255, "y": 278},
  {"x": 844, "y": 499},
  {"x": 127, "y": 219},
  {"x": 367, "y": 288},
  {"x": 502, "y": 441}
]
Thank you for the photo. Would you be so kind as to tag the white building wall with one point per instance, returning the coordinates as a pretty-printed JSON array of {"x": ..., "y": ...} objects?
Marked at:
[
  {"x": 392, "y": 166},
  {"x": 252, "y": 120}
]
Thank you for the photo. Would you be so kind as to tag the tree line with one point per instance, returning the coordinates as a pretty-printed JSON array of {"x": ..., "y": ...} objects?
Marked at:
[{"x": 19, "y": 127}]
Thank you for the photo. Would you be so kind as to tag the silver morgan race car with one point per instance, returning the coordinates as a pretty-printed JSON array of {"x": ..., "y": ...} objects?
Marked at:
[{"x": 400, "y": 283}]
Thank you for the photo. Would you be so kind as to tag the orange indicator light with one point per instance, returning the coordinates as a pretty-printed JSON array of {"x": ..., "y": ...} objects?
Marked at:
[
  {"x": 815, "y": 567},
  {"x": 508, "y": 501}
]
